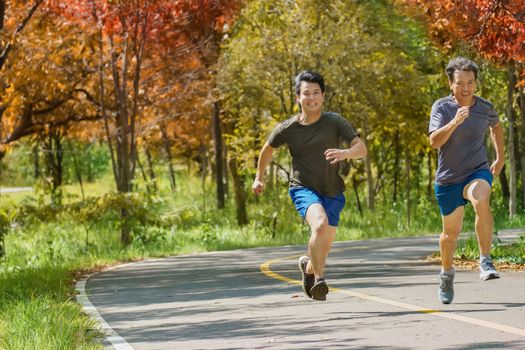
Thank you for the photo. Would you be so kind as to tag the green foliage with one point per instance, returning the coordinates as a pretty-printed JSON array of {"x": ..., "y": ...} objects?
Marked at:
[
  {"x": 511, "y": 253},
  {"x": 93, "y": 161},
  {"x": 5, "y": 225},
  {"x": 16, "y": 168},
  {"x": 18, "y": 165},
  {"x": 374, "y": 70}
]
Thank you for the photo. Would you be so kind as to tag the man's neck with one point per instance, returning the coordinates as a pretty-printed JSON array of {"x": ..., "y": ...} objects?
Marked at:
[
  {"x": 464, "y": 102},
  {"x": 309, "y": 118}
]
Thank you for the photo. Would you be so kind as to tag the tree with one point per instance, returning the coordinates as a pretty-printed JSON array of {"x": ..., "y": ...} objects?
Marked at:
[
  {"x": 130, "y": 34},
  {"x": 9, "y": 32},
  {"x": 45, "y": 97},
  {"x": 210, "y": 19}
]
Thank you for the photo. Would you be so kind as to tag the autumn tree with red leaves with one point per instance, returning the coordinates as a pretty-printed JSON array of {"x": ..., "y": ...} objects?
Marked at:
[{"x": 134, "y": 34}]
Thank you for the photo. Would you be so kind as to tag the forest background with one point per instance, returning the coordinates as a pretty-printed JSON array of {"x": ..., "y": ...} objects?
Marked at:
[{"x": 138, "y": 125}]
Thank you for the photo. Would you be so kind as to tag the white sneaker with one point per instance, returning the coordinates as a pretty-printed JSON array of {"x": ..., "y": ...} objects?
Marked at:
[{"x": 487, "y": 271}]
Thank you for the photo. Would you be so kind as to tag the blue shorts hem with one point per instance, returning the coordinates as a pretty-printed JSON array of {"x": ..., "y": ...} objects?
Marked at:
[
  {"x": 303, "y": 198},
  {"x": 450, "y": 197}
]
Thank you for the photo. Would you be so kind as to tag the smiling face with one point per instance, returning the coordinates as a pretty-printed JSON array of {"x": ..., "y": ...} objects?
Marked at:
[
  {"x": 310, "y": 98},
  {"x": 463, "y": 87}
]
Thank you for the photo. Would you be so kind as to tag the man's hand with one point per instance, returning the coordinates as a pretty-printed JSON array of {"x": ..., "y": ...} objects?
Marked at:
[
  {"x": 461, "y": 115},
  {"x": 335, "y": 155},
  {"x": 496, "y": 167},
  {"x": 257, "y": 187}
]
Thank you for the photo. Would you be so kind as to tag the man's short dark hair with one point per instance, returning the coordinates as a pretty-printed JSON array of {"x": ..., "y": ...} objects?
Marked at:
[
  {"x": 310, "y": 77},
  {"x": 461, "y": 64}
]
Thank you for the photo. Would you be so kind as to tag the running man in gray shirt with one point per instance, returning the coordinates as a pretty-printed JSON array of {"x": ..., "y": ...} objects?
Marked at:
[
  {"x": 457, "y": 128},
  {"x": 316, "y": 188}
]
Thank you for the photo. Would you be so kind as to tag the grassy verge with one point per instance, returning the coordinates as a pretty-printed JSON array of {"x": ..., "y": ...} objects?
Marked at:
[
  {"x": 37, "y": 312},
  {"x": 504, "y": 253}
]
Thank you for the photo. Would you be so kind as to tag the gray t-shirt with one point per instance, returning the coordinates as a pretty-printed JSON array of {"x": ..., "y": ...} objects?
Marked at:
[
  {"x": 464, "y": 152},
  {"x": 307, "y": 144}
]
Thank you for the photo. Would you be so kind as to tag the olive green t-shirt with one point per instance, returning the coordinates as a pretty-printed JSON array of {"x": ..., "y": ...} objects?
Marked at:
[{"x": 307, "y": 144}]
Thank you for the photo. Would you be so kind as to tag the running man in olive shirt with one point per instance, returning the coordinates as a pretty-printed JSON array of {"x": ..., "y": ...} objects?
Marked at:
[{"x": 316, "y": 188}]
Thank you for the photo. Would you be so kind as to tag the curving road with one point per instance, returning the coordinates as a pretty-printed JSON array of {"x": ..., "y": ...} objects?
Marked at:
[{"x": 382, "y": 297}]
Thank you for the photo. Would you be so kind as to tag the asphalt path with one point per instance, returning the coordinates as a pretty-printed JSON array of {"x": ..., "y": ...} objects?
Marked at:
[{"x": 383, "y": 296}]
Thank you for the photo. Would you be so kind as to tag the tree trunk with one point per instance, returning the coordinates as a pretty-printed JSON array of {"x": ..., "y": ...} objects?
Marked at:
[
  {"x": 217, "y": 140},
  {"x": 203, "y": 172},
  {"x": 370, "y": 183},
  {"x": 90, "y": 176},
  {"x": 512, "y": 156},
  {"x": 36, "y": 161},
  {"x": 504, "y": 184},
  {"x": 417, "y": 175},
  {"x": 408, "y": 164},
  {"x": 397, "y": 155},
  {"x": 54, "y": 156},
  {"x": 522, "y": 145},
  {"x": 78, "y": 173},
  {"x": 430, "y": 175},
  {"x": 356, "y": 192},
  {"x": 270, "y": 181},
  {"x": 125, "y": 63},
  {"x": 225, "y": 167},
  {"x": 167, "y": 149},
  {"x": 143, "y": 173},
  {"x": 239, "y": 193},
  {"x": 151, "y": 171},
  {"x": 368, "y": 166}
]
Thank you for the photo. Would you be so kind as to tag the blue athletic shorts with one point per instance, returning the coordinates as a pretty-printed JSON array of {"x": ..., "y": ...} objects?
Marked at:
[
  {"x": 303, "y": 197},
  {"x": 450, "y": 197}
]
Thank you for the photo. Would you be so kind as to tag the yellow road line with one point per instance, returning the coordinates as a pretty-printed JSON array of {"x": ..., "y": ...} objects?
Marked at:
[{"x": 266, "y": 269}]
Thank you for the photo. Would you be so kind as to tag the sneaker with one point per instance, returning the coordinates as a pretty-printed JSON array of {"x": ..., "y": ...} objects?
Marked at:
[
  {"x": 487, "y": 271},
  {"x": 319, "y": 290},
  {"x": 308, "y": 279},
  {"x": 446, "y": 287}
]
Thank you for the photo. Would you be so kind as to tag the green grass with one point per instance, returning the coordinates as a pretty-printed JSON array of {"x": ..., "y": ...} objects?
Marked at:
[
  {"x": 13, "y": 198},
  {"x": 45, "y": 323},
  {"x": 501, "y": 252},
  {"x": 37, "y": 310}
]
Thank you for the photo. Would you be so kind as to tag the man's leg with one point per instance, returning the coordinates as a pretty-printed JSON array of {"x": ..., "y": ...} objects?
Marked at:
[
  {"x": 478, "y": 193},
  {"x": 452, "y": 224},
  {"x": 321, "y": 239}
]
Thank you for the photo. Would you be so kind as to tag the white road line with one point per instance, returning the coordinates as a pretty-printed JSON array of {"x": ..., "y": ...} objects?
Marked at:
[{"x": 111, "y": 336}]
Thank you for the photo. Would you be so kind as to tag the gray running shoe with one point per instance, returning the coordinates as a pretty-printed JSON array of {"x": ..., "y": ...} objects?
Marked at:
[
  {"x": 446, "y": 287},
  {"x": 319, "y": 290},
  {"x": 487, "y": 271},
  {"x": 308, "y": 279}
]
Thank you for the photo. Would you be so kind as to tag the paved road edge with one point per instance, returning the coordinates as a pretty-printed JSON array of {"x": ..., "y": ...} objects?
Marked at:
[{"x": 111, "y": 336}]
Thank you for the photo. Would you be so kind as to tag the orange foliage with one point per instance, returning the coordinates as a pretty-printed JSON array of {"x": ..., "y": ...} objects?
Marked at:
[{"x": 495, "y": 28}]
